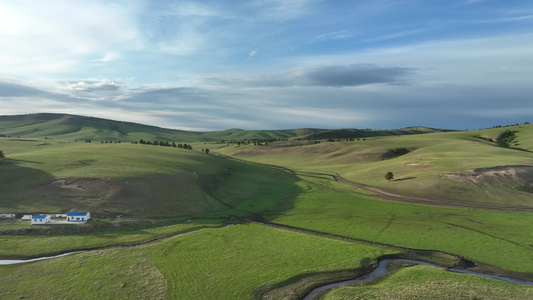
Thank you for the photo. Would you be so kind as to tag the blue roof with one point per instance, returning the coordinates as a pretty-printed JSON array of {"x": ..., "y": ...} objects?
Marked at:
[
  {"x": 39, "y": 217},
  {"x": 76, "y": 214}
]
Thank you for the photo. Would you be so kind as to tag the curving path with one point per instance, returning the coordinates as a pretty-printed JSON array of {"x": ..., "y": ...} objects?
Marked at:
[{"x": 380, "y": 193}]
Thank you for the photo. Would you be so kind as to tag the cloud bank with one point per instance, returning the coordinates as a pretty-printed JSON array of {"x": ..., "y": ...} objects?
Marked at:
[{"x": 270, "y": 64}]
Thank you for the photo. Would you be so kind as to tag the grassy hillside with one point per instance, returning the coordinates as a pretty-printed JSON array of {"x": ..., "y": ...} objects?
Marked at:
[
  {"x": 463, "y": 167},
  {"x": 70, "y": 127},
  {"x": 424, "y": 282},
  {"x": 128, "y": 180},
  {"x": 176, "y": 223},
  {"x": 364, "y": 133}
]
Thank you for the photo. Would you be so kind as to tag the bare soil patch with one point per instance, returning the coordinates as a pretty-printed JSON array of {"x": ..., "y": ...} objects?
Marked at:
[{"x": 517, "y": 175}]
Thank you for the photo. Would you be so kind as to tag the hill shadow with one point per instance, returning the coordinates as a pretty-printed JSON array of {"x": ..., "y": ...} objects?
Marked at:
[
  {"x": 405, "y": 178},
  {"x": 20, "y": 185}
]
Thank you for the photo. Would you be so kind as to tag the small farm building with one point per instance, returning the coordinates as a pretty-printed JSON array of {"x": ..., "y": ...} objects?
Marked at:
[
  {"x": 40, "y": 219},
  {"x": 7, "y": 215},
  {"x": 78, "y": 216},
  {"x": 26, "y": 217}
]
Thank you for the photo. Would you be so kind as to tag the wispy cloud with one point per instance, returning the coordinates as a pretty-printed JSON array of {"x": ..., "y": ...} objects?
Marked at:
[
  {"x": 505, "y": 19},
  {"x": 398, "y": 35},
  {"x": 57, "y": 36},
  {"x": 268, "y": 63},
  {"x": 337, "y": 35},
  {"x": 284, "y": 9}
]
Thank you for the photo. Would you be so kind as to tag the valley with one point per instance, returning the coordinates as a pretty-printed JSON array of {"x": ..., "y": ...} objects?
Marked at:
[{"x": 263, "y": 214}]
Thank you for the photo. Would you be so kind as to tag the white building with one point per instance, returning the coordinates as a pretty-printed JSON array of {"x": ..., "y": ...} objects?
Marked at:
[
  {"x": 40, "y": 219},
  {"x": 7, "y": 215},
  {"x": 26, "y": 217},
  {"x": 78, "y": 216}
]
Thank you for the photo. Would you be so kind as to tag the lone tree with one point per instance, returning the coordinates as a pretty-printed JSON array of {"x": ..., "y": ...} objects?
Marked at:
[
  {"x": 2, "y": 155},
  {"x": 389, "y": 176},
  {"x": 206, "y": 151}
]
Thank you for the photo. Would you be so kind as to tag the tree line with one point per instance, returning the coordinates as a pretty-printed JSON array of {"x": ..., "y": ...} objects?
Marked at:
[{"x": 164, "y": 144}]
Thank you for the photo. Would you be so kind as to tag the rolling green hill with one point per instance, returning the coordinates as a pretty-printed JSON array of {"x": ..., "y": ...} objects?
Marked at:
[
  {"x": 131, "y": 180},
  {"x": 71, "y": 127},
  {"x": 452, "y": 168},
  {"x": 252, "y": 231}
]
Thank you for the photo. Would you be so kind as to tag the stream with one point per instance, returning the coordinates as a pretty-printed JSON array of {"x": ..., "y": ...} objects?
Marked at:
[
  {"x": 376, "y": 273},
  {"x": 20, "y": 261},
  {"x": 382, "y": 270}
]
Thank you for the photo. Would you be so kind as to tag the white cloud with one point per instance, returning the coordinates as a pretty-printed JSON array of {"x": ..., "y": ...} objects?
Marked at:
[
  {"x": 95, "y": 89},
  {"x": 397, "y": 35},
  {"x": 109, "y": 56},
  {"x": 193, "y": 9},
  {"x": 56, "y": 36},
  {"x": 336, "y": 35},
  {"x": 283, "y": 10}
]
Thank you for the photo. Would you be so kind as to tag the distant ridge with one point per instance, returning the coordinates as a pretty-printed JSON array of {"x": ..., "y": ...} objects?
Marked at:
[{"x": 74, "y": 127}]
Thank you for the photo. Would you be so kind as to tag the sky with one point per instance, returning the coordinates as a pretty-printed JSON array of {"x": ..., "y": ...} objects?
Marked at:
[{"x": 271, "y": 64}]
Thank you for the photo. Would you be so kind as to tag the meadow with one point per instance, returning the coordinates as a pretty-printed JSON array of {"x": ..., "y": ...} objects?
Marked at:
[
  {"x": 440, "y": 166},
  {"x": 498, "y": 238},
  {"x": 182, "y": 224},
  {"x": 133, "y": 181},
  {"x": 424, "y": 282}
]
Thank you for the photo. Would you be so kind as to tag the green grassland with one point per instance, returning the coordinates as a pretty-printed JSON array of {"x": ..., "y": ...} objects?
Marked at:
[
  {"x": 81, "y": 128},
  {"x": 70, "y": 127},
  {"x": 135, "y": 181},
  {"x": 441, "y": 166},
  {"x": 234, "y": 262},
  {"x": 118, "y": 273},
  {"x": 266, "y": 256},
  {"x": 63, "y": 238},
  {"x": 224, "y": 263},
  {"x": 175, "y": 223},
  {"x": 498, "y": 238},
  {"x": 424, "y": 282}
]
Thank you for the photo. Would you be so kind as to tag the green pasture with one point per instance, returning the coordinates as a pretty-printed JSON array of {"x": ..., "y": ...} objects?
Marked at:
[
  {"x": 223, "y": 263},
  {"x": 43, "y": 243},
  {"x": 135, "y": 181},
  {"x": 118, "y": 273},
  {"x": 81, "y": 128},
  {"x": 232, "y": 262},
  {"x": 425, "y": 282},
  {"x": 420, "y": 163},
  {"x": 498, "y": 238},
  {"x": 159, "y": 189}
]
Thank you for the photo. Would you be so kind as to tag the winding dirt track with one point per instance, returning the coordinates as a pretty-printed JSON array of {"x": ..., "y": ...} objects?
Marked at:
[{"x": 382, "y": 194}]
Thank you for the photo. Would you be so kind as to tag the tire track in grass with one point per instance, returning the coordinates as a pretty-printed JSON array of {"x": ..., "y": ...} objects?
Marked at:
[
  {"x": 387, "y": 226},
  {"x": 382, "y": 194},
  {"x": 169, "y": 249},
  {"x": 205, "y": 194},
  {"x": 488, "y": 234}
]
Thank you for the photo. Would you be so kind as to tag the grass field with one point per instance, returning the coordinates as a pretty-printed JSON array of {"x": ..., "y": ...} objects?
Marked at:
[
  {"x": 437, "y": 166},
  {"x": 499, "y": 238},
  {"x": 133, "y": 181},
  {"x": 235, "y": 262},
  {"x": 71, "y": 128},
  {"x": 424, "y": 282},
  {"x": 174, "y": 198},
  {"x": 15, "y": 246},
  {"x": 119, "y": 273},
  {"x": 231, "y": 262},
  {"x": 224, "y": 263}
]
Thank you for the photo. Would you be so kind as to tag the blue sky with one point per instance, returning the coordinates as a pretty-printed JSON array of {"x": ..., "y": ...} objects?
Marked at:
[{"x": 271, "y": 64}]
